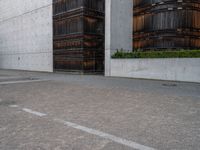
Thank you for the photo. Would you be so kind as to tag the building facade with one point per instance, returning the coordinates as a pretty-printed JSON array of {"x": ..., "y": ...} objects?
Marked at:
[
  {"x": 166, "y": 24},
  {"x": 78, "y": 38},
  {"x": 81, "y": 35},
  {"x": 26, "y": 34}
]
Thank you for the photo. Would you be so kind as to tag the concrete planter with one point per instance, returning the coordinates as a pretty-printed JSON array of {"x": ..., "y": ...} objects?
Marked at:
[{"x": 174, "y": 69}]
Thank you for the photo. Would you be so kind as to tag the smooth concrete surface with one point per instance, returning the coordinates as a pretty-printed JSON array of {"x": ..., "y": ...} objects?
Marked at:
[
  {"x": 174, "y": 69},
  {"x": 26, "y": 35},
  {"x": 143, "y": 111},
  {"x": 118, "y": 28},
  {"x": 10, "y": 9}
]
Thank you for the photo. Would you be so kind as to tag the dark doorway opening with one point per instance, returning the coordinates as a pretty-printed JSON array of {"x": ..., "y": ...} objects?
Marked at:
[{"x": 78, "y": 36}]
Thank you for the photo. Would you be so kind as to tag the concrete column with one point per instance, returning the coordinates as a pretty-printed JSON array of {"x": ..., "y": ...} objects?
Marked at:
[{"x": 118, "y": 28}]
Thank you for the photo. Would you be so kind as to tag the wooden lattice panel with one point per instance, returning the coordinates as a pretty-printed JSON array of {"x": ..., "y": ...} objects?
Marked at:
[
  {"x": 79, "y": 35},
  {"x": 166, "y": 24}
]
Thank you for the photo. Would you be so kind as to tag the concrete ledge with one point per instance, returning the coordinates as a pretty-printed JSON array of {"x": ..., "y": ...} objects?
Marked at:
[{"x": 174, "y": 69}]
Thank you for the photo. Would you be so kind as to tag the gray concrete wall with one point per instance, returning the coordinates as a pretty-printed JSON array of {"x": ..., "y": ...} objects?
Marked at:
[
  {"x": 26, "y": 35},
  {"x": 184, "y": 69},
  {"x": 118, "y": 28}
]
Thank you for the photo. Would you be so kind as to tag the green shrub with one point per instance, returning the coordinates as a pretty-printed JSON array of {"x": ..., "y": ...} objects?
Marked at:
[{"x": 158, "y": 54}]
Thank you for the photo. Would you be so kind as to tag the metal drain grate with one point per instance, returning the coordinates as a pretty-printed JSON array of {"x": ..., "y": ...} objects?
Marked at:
[{"x": 169, "y": 84}]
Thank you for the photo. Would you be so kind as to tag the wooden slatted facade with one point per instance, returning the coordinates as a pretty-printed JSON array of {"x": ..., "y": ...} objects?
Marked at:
[
  {"x": 166, "y": 24},
  {"x": 78, "y": 41}
]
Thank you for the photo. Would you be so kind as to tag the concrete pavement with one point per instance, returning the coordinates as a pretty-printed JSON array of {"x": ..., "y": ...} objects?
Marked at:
[{"x": 75, "y": 112}]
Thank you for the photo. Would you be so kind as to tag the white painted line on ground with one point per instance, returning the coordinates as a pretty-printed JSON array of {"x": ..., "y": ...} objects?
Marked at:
[
  {"x": 106, "y": 136},
  {"x": 34, "y": 112},
  {"x": 13, "y": 106},
  {"x": 0, "y": 100},
  {"x": 21, "y": 81},
  {"x": 113, "y": 138}
]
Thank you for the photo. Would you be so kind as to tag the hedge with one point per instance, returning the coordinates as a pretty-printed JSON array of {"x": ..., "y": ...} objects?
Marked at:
[{"x": 158, "y": 54}]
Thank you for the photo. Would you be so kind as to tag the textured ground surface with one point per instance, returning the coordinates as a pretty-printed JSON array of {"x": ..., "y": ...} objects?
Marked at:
[{"x": 156, "y": 114}]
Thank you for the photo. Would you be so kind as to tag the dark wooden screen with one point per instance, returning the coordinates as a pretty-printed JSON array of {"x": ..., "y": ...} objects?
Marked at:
[
  {"x": 78, "y": 35},
  {"x": 166, "y": 24}
]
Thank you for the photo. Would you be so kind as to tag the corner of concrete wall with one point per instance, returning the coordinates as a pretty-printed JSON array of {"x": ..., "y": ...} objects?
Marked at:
[{"x": 118, "y": 29}]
